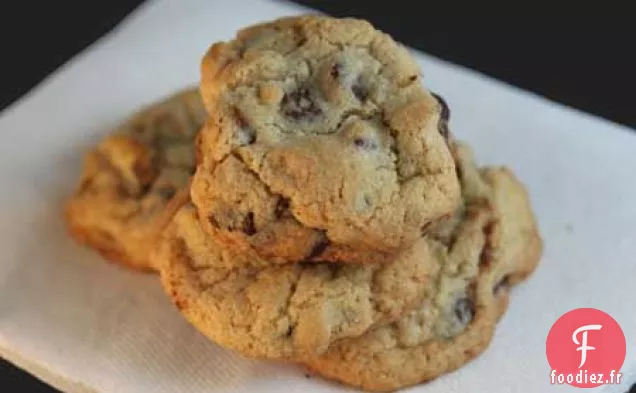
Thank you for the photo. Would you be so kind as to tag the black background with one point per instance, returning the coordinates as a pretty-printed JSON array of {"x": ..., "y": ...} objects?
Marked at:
[{"x": 568, "y": 59}]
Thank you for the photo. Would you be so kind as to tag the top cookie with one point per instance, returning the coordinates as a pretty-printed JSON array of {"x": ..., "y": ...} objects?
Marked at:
[
  {"x": 129, "y": 178},
  {"x": 322, "y": 144}
]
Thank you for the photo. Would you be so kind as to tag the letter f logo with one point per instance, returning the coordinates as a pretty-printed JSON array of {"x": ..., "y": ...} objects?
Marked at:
[{"x": 584, "y": 347}]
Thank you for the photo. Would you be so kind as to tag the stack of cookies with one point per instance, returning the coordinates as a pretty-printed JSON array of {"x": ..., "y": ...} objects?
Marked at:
[{"x": 332, "y": 219}]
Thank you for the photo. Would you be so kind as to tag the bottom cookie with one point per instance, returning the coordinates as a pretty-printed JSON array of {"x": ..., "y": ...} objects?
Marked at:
[
  {"x": 492, "y": 244},
  {"x": 285, "y": 312}
]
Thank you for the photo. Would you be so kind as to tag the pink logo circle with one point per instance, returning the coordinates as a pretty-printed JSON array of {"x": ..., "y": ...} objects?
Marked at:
[{"x": 585, "y": 348}]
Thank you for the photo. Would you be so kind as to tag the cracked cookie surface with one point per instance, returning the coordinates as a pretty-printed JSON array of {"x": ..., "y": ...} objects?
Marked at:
[
  {"x": 129, "y": 178},
  {"x": 491, "y": 244},
  {"x": 291, "y": 311},
  {"x": 323, "y": 144}
]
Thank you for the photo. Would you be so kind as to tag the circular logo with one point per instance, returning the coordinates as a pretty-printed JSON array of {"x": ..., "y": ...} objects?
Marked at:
[{"x": 585, "y": 348}]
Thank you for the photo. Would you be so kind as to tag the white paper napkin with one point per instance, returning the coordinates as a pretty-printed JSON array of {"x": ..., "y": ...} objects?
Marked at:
[{"x": 84, "y": 325}]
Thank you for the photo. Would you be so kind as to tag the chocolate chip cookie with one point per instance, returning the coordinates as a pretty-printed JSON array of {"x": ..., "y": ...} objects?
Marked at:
[
  {"x": 323, "y": 144},
  {"x": 488, "y": 247},
  {"x": 291, "y": 311},
  {"x": 129, "y": 178}
]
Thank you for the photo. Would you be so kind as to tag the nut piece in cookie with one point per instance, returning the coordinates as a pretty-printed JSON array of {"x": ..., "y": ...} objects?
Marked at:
[
  {"x": 129, "y": 178},
  {"x": 323, "y": 144}
]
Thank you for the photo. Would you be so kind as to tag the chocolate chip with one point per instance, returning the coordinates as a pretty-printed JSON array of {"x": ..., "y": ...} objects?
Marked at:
[
  {"x": 426, "y": 227},
  {"x": 137, "y": 129},
  {"x": 241, "y": 51},
  {"x": 459, "y": 172},
  {"x": 290, "y": 331},
  {"x": 361, "y": 92},
  {"x": 105, "y": 236},
  {"x": 240, "y": 120},
  {"x": 85, "y": 185},
  {"x": 444, "y": 116},
  {"x": 412, "y": 78},
  {"x": 142, "y": 170},
  {"x": 442, "y": 127},
  {"x": 145, "y": 189},
  {"x": 366, "y": 144},
  {"x": 334, "y": 268},
  {"x": 245, "y": 136},
  {"x": 299, "y": 104},
  {"x": 485, "y": 258},
  {"x": 502, "y": 285},
  {"x": 198, "y": 149},
  {"x": 299, "y": 36},
  {"x": 281, "y": 207},
  {"x": 180, "y": 304},
  {"x": 166, "y": 192},
  {"x": 336, "y": 69},
  {"x": 248, "y": 224},
  {"x": 367, "y": 201},
  {"x": 394, "y": 150},
  {"x": 318, "y": 248},
  {"x": 464, "y": 310},
  {"x": 445, "y": 110},
  {"x": 213, "y": 221}
]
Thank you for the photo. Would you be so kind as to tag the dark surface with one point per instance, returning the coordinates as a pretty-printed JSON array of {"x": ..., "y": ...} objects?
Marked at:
[
  {"x": 591, "y": 68},
  {"x": 34, "y": 44},
  {"x": 13, "y": 379},
  {"x": 575, "y": 62}
]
